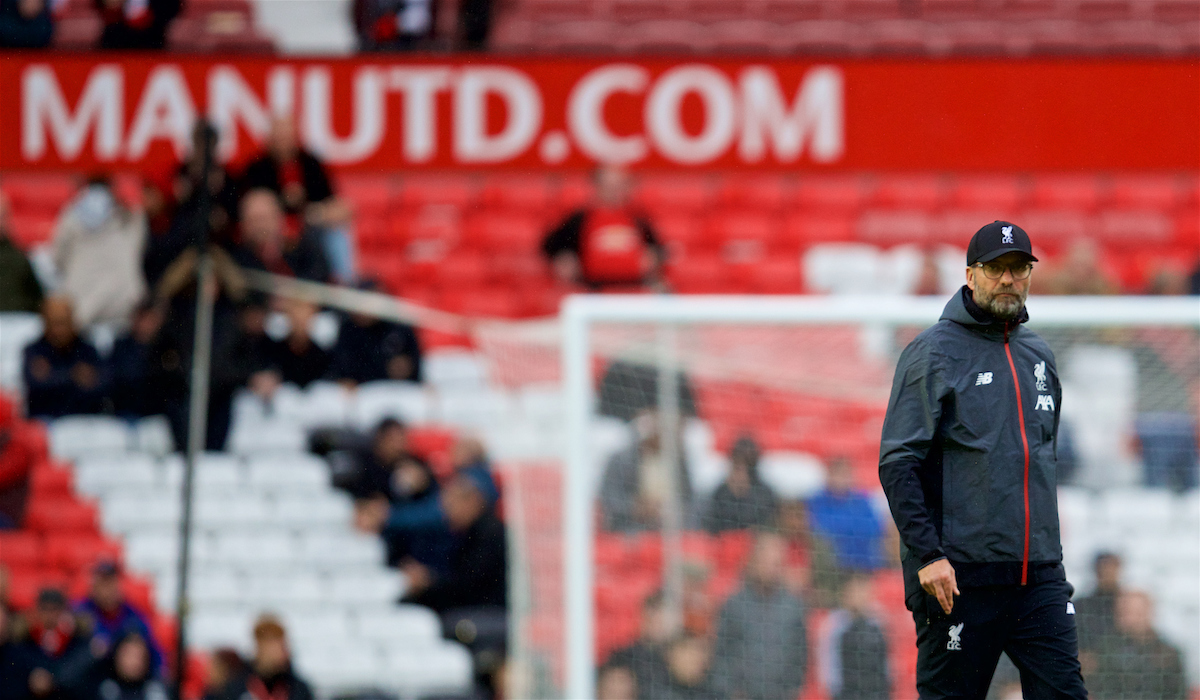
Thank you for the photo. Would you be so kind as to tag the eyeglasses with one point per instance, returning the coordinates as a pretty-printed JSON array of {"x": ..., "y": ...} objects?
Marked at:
[{"x": 995, "y": 271}]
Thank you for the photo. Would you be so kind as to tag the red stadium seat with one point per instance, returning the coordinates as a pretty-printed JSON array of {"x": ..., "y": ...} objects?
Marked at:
[
  {"x": 975, "y": 37},
  {"x": 785, "y": 11},
  {"x": 463, "y": 268},
  {"x": 763, "y": 194},
  {"x": 592, "y": 35},
  {"x": 1056, "y": 226},
  {"x": 900, "y": 36},
  {"x": 371, "y": 195},
  {"x": 77, "y": 33},
  {"x": 911, "y": 191},
  {"x": 50, "y": 481},
  {"x": 942, "y": 10},
  {"x": 1001, "y": 193},
  {"x": 744, "y": 236},
  {"x": 1175, "y": 11},
  {"x": 20, "y": 549},
  {"x": 777, "y": 276},
  {"x": 836, "y": 193},
  {"x": 1081, "y": 192},
  {"x": 528, "y": 194},
  {"x": 803, "y": 229},
  {"x": 682, "y": 234},
  {"x": 32, "y": 229},
  {"x": 1099, "y": 10},
  {"x": 61, "y": 515},
  {"x": 956, "y": 226},
  {"x": 500, "y": 232},
  {"x": 698, "y": 275},
  {"x": 42, "y": 193},
  {"x": 858, "y": 10},
  {"x": 668, "y": 36},
  {"x": 1146, "y": 191},
  {"x": 1134, "y": 227},
  {"x": 675, "y": 193},
  {"x": 826, "y": 36},
  {"x": 752, "y": 36},
  {"x": 892, "y": 226},
  {"x": 73, "y": 553},
  {"x": 1057, "y": 36},
  {"x": 453, "y": 191},
  {"x": 1135, "y": 37}
]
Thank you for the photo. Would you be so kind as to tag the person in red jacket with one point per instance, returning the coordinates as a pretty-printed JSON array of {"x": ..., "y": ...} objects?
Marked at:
[
  {"x": 16, "y": 460},
  {"x": 607, "y": 246}
]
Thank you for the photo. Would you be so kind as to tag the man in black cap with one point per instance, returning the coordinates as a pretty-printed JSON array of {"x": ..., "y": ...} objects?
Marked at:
[{"x": 968, "y": 464}]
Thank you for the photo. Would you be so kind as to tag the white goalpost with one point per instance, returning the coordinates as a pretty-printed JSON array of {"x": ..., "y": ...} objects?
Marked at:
[{"x": 700, "y": 338}]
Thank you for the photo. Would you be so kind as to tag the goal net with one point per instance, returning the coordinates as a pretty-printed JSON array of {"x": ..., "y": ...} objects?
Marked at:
[{"x": 694, "y": 498}]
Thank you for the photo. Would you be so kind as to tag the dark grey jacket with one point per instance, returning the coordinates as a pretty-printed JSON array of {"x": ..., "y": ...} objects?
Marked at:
[{"x": 967, "y": 458}]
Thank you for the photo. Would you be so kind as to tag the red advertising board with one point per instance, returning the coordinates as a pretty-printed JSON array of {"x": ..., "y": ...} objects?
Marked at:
[{"x": 376, "y": 114}]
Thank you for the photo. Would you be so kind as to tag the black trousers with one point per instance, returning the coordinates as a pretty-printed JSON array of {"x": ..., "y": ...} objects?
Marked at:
[{"x": 1035, "y": 625}]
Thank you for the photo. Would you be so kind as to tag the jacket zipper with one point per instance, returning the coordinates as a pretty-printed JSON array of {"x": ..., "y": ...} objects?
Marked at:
[{"x": 1025, "y": 446}]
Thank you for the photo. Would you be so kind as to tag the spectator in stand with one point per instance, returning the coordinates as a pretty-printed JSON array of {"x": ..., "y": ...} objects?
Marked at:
[
  {"x": 478, "y": 571},
  {"x": 226, "y": 674},
  {"x": 762, "y": 639},
  {"x": 131, "y": 366},
  {"x": 61, "y": 370},
  {"x": 270, "y": 674},
  {"x": 17, "y": 456},
  {"x": 372, "y": 474},
  {"x": 393, "y": 25},
  {"x": 635, "y": 483},
  {"x": 128, "y": 671},
  {"x": 267, "y": 244},
  {"x": 1081, "y": 272},
  {"x": 112, "y": 618},
  {"x": 616, "y": 682},
  {"x": 688, "y": 658},
  {"x": 843, "y": 514},
  {"x": 607, "y": 245},
  {"x": 25, "y": 24},
  {"x": 743, "y": 501},
  {"x": 297, "y": 358},
  {"x": 302, "y": 186},
  {"x": 854, "y": 652},
  {"x": 20, "y": 289},
  {"x": 475, "y": 23},
  {"x": 409, "y": 517},
  {"x": 646, "y": 657},
  {"x": 812, "y": 570},
  {"x": 1095, "y": 615},
  {"x": 98, "y": 247},
  {"x": 246, "y": 358},
  {"x": 132, "y": 25},
  {"x": 12, "y": 680},
  {"x": 369, "y": 349},
  {"x": 52, "y": 650},
  {"x": 469, "y": 458},
  {"x": 1136, "y": 662}
]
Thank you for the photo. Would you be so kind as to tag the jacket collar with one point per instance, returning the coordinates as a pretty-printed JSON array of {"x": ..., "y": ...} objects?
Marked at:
[{"x": 963, "y": 310}]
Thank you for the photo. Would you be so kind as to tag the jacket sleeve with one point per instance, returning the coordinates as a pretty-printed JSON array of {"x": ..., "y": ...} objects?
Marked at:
[
  {"x": 564, "y": 238},
  {"x": 909, "y": 428}
]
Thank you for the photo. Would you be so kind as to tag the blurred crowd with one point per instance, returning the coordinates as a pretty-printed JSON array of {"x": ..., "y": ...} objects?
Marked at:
[
  {"x": 102, "y": 647},
  {"x": 142, "y": 25}
]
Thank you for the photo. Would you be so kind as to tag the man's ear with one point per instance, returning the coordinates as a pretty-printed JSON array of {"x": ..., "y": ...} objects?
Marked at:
[{"x": 970, "y": 279}]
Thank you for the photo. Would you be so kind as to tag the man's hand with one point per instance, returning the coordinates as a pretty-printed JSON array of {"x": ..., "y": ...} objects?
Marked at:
[{"x": 937, "y": 578}]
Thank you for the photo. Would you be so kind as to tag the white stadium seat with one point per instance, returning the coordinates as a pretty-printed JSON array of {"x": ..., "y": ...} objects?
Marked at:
[
  {"x": 16, "y": 331},
  {"x": 367, "y": 588},
  {"x": 116, "y": 473},
  {"x": 81, "y": 436},
  {"x": 342, "y": 551},
  {"x": 255, "y": 548},
  {"x": 152, "y": 435},
  {"x": 324, "y": 512},
  {"x": 239, "y": 512},
  {"x": 216, "y": 588},
  {"x": 407, "y": 622},
  {"x": 451, "y": 369},
  {"x": 211, "y": 628},
  {"x": 474, "y": 408},
  {"x": 375, "y": 401},
  {"x": 792, "y": 474},
  {"x": 1136, "y": 510},
  {"x": 322, "y": 404},
  {"x": 288, "y": 472},
  {"x": 276, "y": 435},
  {"x": 127, "y": 512},
  {"x": 298, "y": 589}
]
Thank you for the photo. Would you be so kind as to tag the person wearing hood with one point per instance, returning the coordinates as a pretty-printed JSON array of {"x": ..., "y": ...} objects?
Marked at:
[
  {"x": 52, "y": 652},
  {"x": 968, "y": 463},
  {"x": 97, "y": 251},
  {"x": 742, "y": 501},
  {"x": 127, "y": 672}
]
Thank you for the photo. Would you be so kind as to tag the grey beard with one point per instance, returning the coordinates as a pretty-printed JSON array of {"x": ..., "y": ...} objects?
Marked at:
[{"x": 999, "y": 310}]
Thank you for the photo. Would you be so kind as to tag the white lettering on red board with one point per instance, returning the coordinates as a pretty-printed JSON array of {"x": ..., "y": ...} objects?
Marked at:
[{"x": 748, "y": 114}]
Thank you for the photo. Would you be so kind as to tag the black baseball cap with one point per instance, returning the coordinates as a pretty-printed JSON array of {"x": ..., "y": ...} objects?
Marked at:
[{"x": 996, "y": 239}]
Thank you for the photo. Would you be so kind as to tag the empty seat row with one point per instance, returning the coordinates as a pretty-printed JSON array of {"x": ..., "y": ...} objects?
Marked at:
[{"x": 847, "y": 37}]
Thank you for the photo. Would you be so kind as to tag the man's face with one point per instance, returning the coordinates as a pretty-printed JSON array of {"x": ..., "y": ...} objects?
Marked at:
[
  {"x": 262, "y": 217},
  {"x": 49, "y": 615},
  {"x": 612, "y": 186},
  {"x": 1108, "y": 573},
  {"x": 132, "y": 659},
  {"x": 1135, "y": 614},
  {"x": 106, "y": 592},
  {"x": 282, "y": 139},
  {"x": 28, "y": 9},
  {"x": 462, "y": 505},
  {"x": 270, "y": 655},
  {"x": 391, "y": 443},
  {"x": 768, "y": 562},
  {"x": 59, "y": 325},
  {"x": 1003, "y": 297},
  {"x": 617, "y": 683}
]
